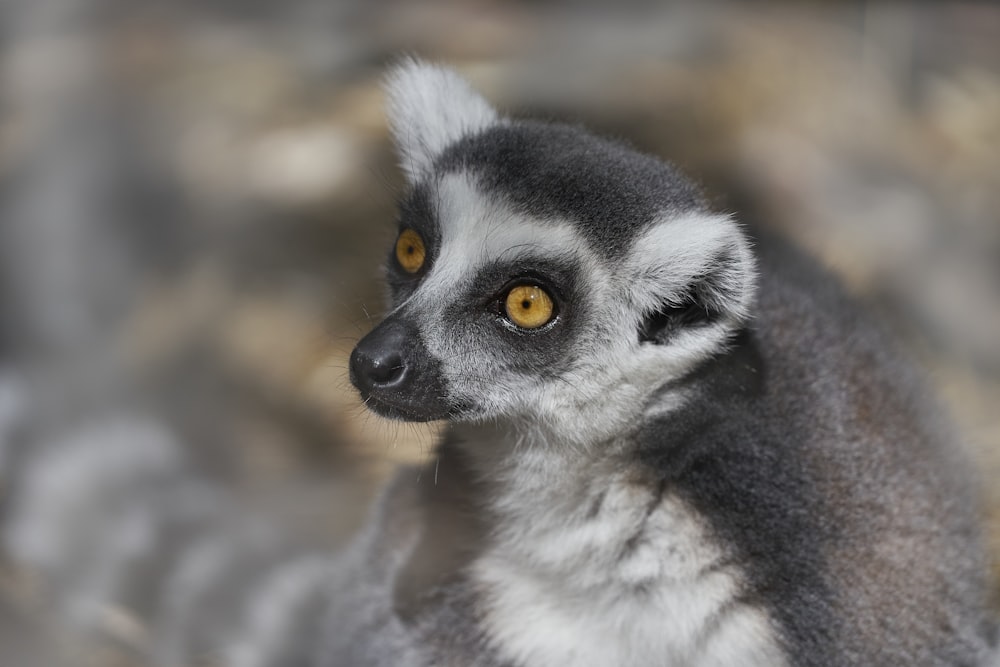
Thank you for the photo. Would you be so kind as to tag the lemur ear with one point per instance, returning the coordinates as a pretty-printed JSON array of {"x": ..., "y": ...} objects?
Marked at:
[
  {"x": 430, "y": 107},
  {"x": 693, "y": 271}
]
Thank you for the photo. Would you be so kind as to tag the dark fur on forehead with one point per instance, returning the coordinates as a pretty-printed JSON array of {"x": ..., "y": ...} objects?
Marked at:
[{"x": 559, "y": 171}]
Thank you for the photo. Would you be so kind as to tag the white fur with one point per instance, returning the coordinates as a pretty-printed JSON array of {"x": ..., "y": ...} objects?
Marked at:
[
  {"x": 477, "y": 229},
  {"x": 744, "y": 638},
  {"x": 611, "y": 375},
  {"x": 430, "y": 107},
  {"x": 628, "y": 585},
  {"x": 677, "y": 249}
]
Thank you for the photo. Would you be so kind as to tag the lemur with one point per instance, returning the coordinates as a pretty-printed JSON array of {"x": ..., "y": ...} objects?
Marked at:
[{"x": 667, "y": 443}]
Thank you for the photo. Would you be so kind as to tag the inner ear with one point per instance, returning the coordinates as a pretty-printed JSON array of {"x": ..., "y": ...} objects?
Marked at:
[
  {"x": 666, "y": 321},
  {"x": 719, "y": 292}
]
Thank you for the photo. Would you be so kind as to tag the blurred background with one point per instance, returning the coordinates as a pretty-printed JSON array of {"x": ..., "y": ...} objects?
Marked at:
[{"x": 195, "y": 198}]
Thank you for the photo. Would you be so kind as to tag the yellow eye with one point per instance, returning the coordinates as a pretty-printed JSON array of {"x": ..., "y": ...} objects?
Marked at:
[
  {"x": 410, "y": 251},
  {"x": 529, "y": 306}
]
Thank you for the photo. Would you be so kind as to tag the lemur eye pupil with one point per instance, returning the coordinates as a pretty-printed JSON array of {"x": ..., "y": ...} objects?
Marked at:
[
  {"x": 529, "y": 306},
  {"x": 410, "y": 251}
]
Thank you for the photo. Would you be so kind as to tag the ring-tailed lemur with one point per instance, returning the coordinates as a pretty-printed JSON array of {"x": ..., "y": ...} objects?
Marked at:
[{"x": 668, "y": 446}]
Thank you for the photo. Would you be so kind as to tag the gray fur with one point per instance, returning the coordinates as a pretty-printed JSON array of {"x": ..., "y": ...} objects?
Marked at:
[
  {"x": 764, "y": 483},
  {"x": 709, "y": 457}
]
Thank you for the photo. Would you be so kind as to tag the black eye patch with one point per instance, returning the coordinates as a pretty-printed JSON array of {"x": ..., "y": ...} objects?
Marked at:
[
  {"x": 558, "y": 277},
  {"x": 416, "y": 212},
  {"x": 474, "y": 314}
]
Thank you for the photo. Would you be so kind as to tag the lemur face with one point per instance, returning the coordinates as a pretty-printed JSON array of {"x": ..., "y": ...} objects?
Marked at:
[{"x": 539, "y": 272}]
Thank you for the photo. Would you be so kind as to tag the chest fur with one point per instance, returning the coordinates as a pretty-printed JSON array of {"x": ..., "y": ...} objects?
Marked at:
[
  {"x": 633, "y": 580},
  {"x": 576, "y": 561}
]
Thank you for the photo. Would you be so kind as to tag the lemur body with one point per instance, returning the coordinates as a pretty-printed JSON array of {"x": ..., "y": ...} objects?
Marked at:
[{"x": 662, "y": 451}]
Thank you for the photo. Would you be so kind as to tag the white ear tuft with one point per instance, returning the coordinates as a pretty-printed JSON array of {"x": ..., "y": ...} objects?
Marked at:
[
  {"x": 693, "y": 269},
  {"x": 430, "y": 107}
]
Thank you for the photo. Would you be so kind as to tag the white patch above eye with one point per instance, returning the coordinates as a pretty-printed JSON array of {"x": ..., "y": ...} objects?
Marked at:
[
  {"x": 477, "y": 228},
  {"x": 429, "y": 108}
]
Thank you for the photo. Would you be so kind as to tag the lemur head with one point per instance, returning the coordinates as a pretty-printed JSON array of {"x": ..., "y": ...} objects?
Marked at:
[{"x": 541, "y": 275}]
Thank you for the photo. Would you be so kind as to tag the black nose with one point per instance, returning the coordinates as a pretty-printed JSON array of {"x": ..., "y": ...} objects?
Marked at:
[
  {"x": 397, "y": 375},
  {"x": 378, "y": 368},
  {"x": 378, "y": 361}
]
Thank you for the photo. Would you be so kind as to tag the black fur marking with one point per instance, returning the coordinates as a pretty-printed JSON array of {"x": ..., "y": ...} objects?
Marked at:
[
  {"x": 660, "y": 326},
  {"x": 558, "y": 171},
  {"x": 721, "y": 454},
  {"x": 595, "y": 505},
  {"x": 545, "y": 350},
  {"x": 715, "y": 623},
  {"x": 416, "y": 212},
  {"x": 638, "y": 538}
]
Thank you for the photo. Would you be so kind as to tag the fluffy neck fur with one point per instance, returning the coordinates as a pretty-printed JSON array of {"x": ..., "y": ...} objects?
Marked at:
[
  {"x": 556, "y": 505},
  {"x": 592, "y": 544}
]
